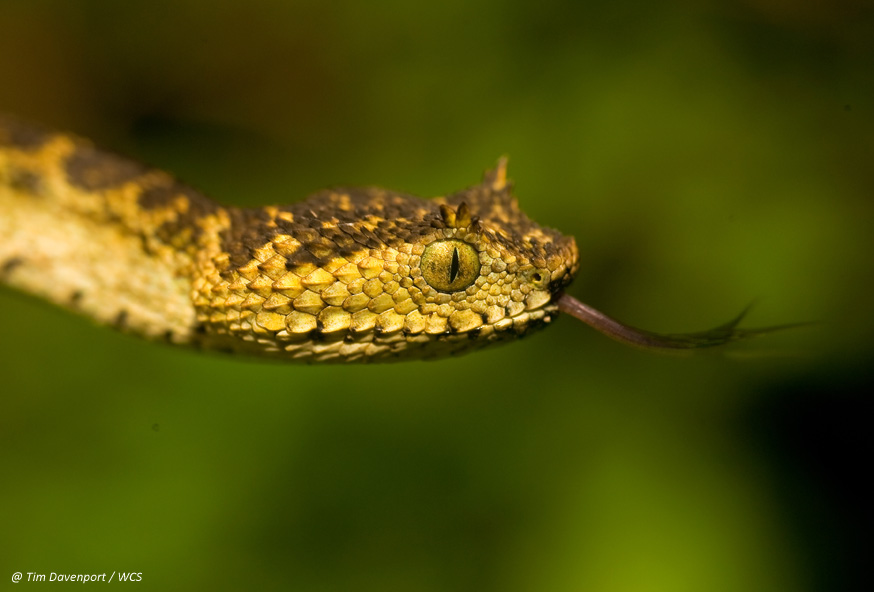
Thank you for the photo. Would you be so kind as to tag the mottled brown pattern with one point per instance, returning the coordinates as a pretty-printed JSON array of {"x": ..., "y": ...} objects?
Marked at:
[
  {"x": 248, "y": 231},
  {"x": 166, "y": 196},
  {"x": 333, "y": 278}
]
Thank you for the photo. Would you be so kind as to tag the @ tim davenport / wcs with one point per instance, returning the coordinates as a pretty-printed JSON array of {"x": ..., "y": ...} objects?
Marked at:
[{"x": 56, "y": 577}]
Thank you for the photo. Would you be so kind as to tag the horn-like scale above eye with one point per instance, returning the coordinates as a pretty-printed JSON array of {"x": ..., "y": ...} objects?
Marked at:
[{"x": 450, "y": 265}]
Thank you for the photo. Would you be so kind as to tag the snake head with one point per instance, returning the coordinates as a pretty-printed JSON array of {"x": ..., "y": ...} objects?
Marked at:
[
  {"x": 366, "y": 274},
  {"x": 501, "y": 271}
]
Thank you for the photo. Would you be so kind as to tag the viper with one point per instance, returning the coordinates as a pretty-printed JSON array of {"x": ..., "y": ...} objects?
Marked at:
[{"x": 348, "y": 274}]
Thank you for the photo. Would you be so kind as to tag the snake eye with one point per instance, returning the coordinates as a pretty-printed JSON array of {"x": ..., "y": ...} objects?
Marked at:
[{"x": 450, "y": 265}]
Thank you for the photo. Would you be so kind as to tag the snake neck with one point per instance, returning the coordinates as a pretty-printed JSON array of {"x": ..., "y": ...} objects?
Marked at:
[{"x": 101, "y": 235}]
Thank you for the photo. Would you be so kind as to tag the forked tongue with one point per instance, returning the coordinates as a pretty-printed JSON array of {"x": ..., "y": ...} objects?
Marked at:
[{"x": 662, "y": 341}]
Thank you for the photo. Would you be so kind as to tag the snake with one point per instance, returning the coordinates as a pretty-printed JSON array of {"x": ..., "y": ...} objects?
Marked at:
[{"x": 345, "y": 275}]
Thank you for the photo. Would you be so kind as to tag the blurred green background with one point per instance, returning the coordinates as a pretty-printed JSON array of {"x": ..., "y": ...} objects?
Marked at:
[{"x": 702, "y": 157}]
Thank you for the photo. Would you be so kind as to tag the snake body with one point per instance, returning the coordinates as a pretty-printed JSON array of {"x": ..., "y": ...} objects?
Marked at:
[{"x": 344, "y": 275}]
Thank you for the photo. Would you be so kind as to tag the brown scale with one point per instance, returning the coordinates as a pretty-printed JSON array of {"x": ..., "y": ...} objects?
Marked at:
[{"x": 345, "y": 275}]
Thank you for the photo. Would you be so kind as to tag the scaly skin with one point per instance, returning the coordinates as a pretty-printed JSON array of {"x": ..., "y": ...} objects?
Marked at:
[{"x": 334, "y": 278}]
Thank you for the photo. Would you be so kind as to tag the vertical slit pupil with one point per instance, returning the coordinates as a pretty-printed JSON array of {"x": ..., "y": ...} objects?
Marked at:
[{"x": 453, "y": 267}]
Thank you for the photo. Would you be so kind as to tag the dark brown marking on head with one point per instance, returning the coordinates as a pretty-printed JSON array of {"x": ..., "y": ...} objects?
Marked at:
[
  {"x": 318, "y": 227},
  {"x": 94, "y": 170},
  {"x": 24, "y": 136}
]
